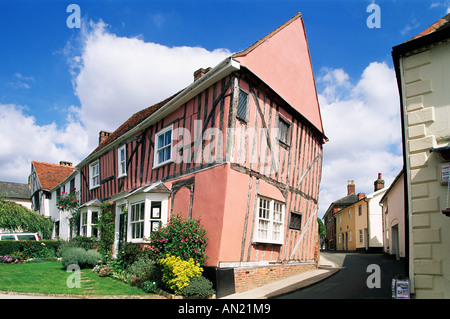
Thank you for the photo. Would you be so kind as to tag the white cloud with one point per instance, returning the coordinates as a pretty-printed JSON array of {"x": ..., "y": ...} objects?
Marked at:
[
  {"x": 118, "y": 76},
  {"x": 364, "y": 130},
  {"x": 24, "y": 140},
  {"x": 113, "y": 77}
]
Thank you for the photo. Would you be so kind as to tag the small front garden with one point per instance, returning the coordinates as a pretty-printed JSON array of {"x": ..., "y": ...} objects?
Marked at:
[{"x": 171, "y": 263}]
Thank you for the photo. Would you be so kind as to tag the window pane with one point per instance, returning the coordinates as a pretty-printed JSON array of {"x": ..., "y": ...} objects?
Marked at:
[
  {"x": 242, "y": 106},
  {"x": 168, "y": 137}
]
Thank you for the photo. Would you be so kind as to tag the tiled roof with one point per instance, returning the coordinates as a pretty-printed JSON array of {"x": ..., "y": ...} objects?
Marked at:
[
  {"x": 15, "y": 190},
  {"x": 50, "y": 175},
  {"x": 133, "y": 121},
  {"x": 437, "y": 26}
]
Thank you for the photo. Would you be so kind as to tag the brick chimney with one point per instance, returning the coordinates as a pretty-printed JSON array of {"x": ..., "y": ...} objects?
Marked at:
[
  {"x": 200, "y": 72},
  {"x": 378, "y": 184},
  {"x": 65, "y": 163},
  {"x": 351, "y": 187},
  {"x": 102, "y": 136}
]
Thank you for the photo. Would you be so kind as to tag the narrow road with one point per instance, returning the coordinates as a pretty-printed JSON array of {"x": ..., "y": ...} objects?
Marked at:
[{"x": 354, "y": 279}]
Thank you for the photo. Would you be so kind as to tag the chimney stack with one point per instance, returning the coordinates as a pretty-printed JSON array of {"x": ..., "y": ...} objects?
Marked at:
[
  {"x": 379, "y": 183},
  {"x": 102, "y": 136},
  {"x": 200, "y": 72},
  {"x": 65, "y": 163},
  {"x": 351, "y": 187},
  {"x": 361, "y": 196}
]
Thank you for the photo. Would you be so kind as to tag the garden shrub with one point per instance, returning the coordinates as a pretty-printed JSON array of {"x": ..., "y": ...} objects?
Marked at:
[
  {"x": 141, "y": 271},
  {"x": 176, "y": 273},
  {"x": 30, "y": 249},
  {"x": 180, "y": 237},
  {"x": 198, "y": 287},
  {"x": 150, "y": 287},
  {"x": 77, "y": 242},
  {"x": 81, "y": 257},
  {"x": 128, "y": 254}
]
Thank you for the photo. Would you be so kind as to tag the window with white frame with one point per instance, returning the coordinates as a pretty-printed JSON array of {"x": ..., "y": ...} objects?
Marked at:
[
  {"x": 95, "y": 174},
  {"x": 163, "y": 149},
  {"x": 270, "y": 221},
  {"x": 84, "y": 220},
  {"x": 122, "y": 161},
  {"x": 137, "y": 220},
  {"x": 94, "y": 221}
]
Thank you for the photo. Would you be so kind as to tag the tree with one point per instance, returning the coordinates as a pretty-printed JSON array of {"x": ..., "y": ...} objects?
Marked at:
[
  {"x": 322, "y": 229},
  {"x": 15, "y": 217}
]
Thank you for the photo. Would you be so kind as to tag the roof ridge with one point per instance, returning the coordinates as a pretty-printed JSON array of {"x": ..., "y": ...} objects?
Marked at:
[
  {"x": 432, "y": 28},
  {"x": 267, "y": 37}
]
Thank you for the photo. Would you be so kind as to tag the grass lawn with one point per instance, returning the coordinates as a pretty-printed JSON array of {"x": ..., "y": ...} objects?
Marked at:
[{"x": 51, "y": 278}]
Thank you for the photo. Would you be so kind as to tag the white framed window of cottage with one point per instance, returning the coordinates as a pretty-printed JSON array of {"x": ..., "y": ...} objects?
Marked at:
[
  {"x": 270, "y": 221},
  {"x": 137, "y": 216},
  {"x": 94, "y": 170},
  {"x": 122, "y": 161},
  {"x": 163, "y": 147}
]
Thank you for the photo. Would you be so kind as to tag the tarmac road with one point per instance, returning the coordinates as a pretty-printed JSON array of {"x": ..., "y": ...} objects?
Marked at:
[{"x": 354, "y": 278}]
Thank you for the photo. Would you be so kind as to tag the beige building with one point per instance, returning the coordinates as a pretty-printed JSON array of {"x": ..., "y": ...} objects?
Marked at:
[
  {"x": 393, "y": 208},
  {"x": 422, "y": 66},
  {"x": 359, "y": 226}
]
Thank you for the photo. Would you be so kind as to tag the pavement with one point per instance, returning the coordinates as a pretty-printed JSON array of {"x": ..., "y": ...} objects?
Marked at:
[{"x": 325, "y": 269}]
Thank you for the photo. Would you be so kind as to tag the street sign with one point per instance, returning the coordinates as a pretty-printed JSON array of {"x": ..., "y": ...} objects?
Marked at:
[{"x": 445, "y": 172}]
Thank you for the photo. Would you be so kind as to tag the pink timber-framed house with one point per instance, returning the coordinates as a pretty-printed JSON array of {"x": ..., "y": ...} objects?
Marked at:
[{"x": 241, "y": 147}]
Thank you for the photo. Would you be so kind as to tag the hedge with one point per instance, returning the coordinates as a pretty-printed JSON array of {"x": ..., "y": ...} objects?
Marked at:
[{"x": 30, "y": 249}]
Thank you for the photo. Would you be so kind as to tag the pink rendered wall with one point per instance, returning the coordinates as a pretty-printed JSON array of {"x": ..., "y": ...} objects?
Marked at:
[{"x": 290, "y": 74}]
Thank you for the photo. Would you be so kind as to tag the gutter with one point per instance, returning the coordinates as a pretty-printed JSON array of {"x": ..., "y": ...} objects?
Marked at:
[{"x": 220, "y": 71}]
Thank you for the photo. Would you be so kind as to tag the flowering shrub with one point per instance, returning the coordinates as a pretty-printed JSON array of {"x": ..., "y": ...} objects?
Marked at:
[
  {"x": 176, "y": 273},
  {"x": 67, "y": 201},
  {"x": 7, "y": 259},
  {"x": 182, "y": 238}
]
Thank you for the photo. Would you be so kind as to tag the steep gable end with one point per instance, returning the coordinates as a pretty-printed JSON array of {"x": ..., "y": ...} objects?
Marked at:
[{"x": 282, "y": 61}]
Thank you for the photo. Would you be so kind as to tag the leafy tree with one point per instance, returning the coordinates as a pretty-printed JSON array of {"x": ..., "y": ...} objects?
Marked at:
[
  {"x": 15, "y": 217},
  {"x": 322, "y": 229}
]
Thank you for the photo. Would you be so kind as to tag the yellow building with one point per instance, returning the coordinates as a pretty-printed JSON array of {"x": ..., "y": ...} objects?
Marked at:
[
  {"x": 422, "y": 66},
  {"x": 359, "y": 226}
]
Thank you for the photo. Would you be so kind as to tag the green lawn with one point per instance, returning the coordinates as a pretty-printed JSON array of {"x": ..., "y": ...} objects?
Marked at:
[{"x": 51, "y": 278}]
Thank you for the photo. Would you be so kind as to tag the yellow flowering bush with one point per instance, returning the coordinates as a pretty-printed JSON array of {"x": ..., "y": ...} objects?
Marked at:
[{"x": 176, "y": 273}]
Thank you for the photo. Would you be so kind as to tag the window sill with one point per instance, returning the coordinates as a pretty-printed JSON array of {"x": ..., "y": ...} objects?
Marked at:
[{"x": 163, "y": 164}]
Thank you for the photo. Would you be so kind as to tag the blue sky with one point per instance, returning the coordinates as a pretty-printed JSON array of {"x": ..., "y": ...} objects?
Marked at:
[{"x": 57, "y": 83}]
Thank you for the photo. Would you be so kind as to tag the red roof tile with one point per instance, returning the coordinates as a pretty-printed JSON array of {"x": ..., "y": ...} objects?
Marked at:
[
  {"x": 50, "y": 175},
  {"x": 438, "y": 25},
  {"x": 133, "y": 121}
]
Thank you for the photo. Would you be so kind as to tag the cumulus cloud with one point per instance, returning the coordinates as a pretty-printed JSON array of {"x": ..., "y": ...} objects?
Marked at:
[
  {"x": 114, "y": 77},
  {"x": 362, "y": 122},
  {"x": 24, "y": 140}
]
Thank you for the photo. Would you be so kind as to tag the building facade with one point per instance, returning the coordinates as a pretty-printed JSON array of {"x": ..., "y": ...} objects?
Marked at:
[
  {"x": 359, "y": 225},
  {"x": 423, "y": 75},
  {"x": 393, "y": 210},
  {"x": 240, "y": 148}
]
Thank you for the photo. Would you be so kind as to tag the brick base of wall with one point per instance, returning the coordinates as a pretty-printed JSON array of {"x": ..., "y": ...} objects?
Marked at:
[{"x": 249, "y": 278}]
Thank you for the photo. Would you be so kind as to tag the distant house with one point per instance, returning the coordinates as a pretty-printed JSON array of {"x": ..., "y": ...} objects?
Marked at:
[
  {"x": 393, "y": 208},
  {"x": 330, "y": 215},
  {"x": 359, "y": 222},
  {"x": 16, "y": 192},
  {"x": 240, "y": 147},
  {"x": 423, "y": 75},
  {"x": 45, "y": 179}
]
